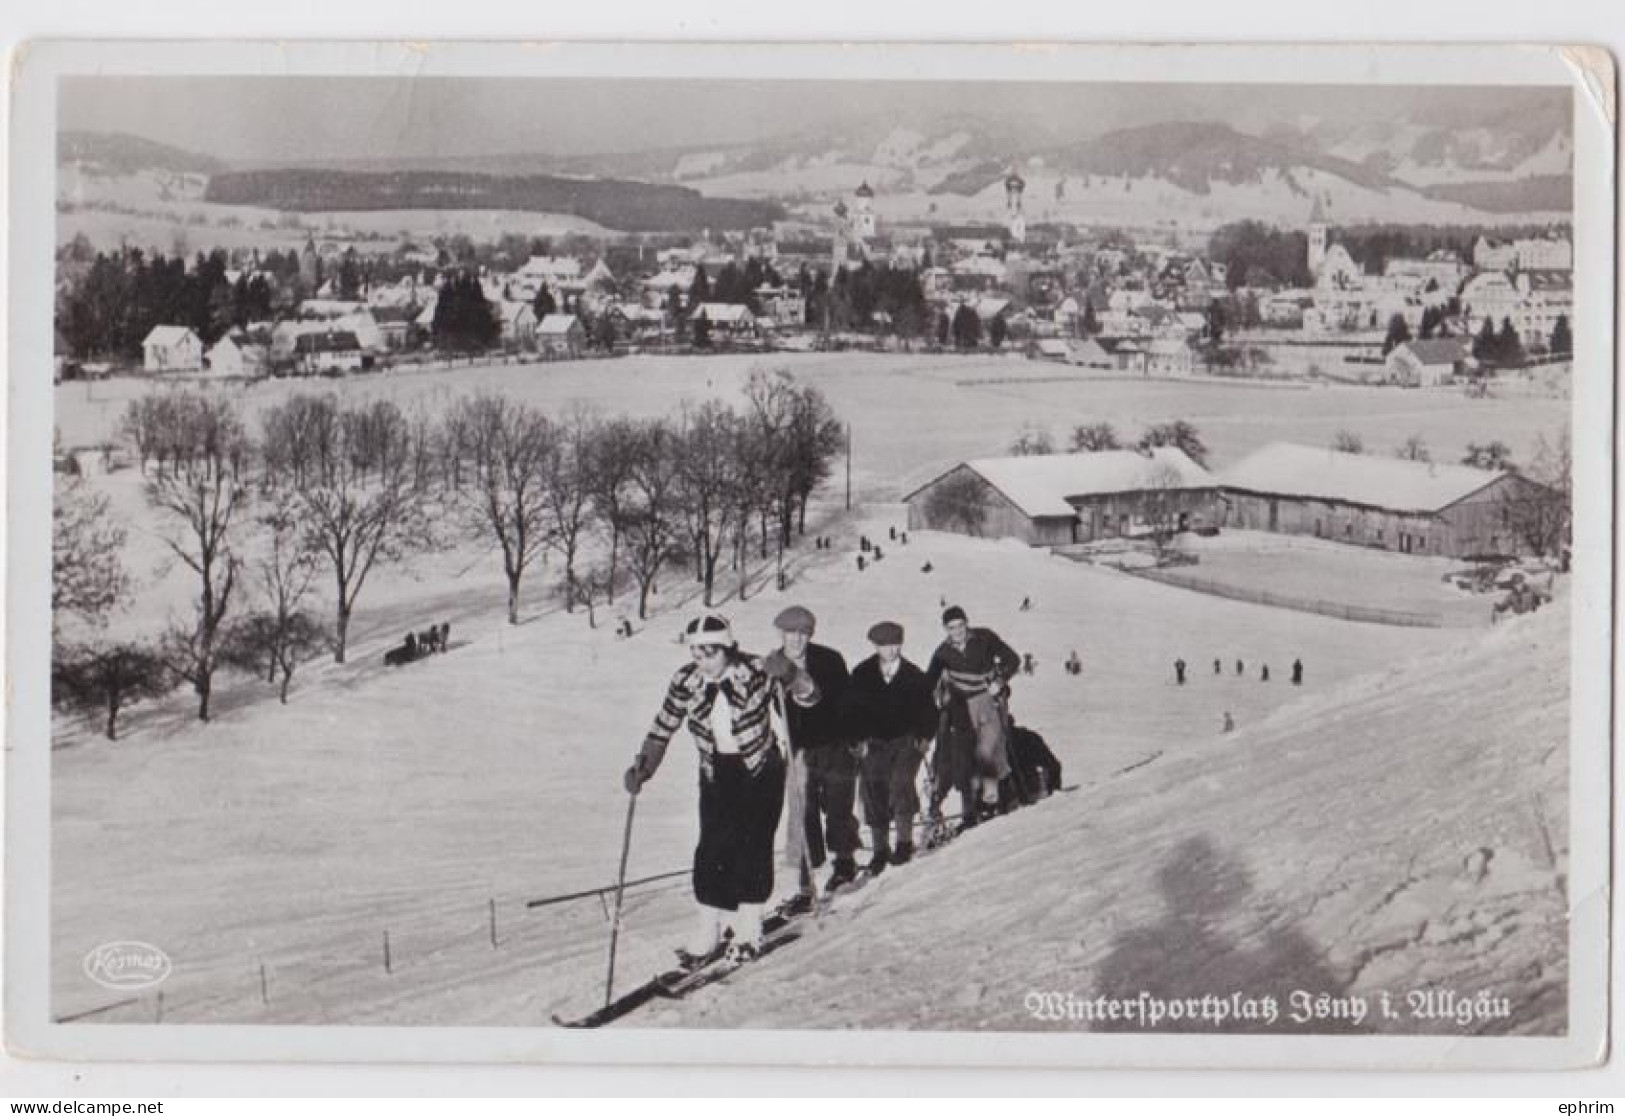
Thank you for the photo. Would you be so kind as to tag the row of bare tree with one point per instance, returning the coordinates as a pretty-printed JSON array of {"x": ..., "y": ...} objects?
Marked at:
[{"x": 331, "y": 490}]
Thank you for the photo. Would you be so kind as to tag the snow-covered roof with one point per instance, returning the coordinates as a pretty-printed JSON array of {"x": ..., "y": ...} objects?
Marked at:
[
  {"x": 1286, "y": 469},
  {"x": 1040, "y": 484},
  {"x": 1437, "y": 350},
  {"x": 166, "y": 335},
  {"x": 557, "y": 324},
  {"x": 730, "y": 313}
]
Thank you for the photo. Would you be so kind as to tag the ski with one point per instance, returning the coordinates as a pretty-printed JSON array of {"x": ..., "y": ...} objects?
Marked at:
[
  {"x": 722, "y": 969},
  {"x": 671, "y": 984}
]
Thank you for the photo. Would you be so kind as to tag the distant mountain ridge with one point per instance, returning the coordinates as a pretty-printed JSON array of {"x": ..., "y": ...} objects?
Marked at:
[{"x": 119, "y": 153}]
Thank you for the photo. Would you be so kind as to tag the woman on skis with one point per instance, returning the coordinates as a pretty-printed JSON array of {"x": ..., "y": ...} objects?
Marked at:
[{"x": 732, "y": 713}]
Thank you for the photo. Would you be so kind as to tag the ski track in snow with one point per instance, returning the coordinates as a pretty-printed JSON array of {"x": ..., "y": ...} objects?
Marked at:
[{"x": 1396, "y": 822}]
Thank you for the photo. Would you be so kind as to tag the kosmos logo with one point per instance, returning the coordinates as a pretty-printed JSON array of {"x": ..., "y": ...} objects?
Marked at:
[{"x": 127, "y": 965}]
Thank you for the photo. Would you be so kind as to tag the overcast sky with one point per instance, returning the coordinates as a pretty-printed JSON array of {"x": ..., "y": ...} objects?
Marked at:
[{"x": 279, "y": 118}]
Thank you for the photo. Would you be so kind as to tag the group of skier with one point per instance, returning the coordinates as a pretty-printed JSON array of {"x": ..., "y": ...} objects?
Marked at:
[{"x": 796, "y": 734}]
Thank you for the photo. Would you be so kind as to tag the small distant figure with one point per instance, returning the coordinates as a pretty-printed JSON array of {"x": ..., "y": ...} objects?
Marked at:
[
  {"x": 625, "y": 630},
  {"x": 863, "y": 543},
  {"x": 904, "y": 539},
  {"x": 861, "y": 563},
  {"x": 411, "y": 645},
  {"x": 1179, "y": 671},
  {"x": 1297, "y": 672},
  {"x": 1218, "y": 667},
  {"x": 928, "y": 567},
  {"x": 878, "y": 554},
  {"x": 445, "y": 634},
  {"x": 891, "y": 533},
  {"x": 1241, "y": 668},
  {"x": 1264, "y": 673},
  {"x": 1027, "y": 663},
  {"x": 1229, "y": 722},
  {"x": 1073, "y": 664},
  {"x": 942, "y": 602},
  {"x": 1026, "y": 604}
]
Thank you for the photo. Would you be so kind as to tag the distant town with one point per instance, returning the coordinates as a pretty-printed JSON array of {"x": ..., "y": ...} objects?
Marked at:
[{"x": 1419, "y": 306}]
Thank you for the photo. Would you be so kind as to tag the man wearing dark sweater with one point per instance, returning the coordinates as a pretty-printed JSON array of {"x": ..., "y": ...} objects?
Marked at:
[
  {"x": 821, "y": 797},
  {"x": 975, "y": 667},
  {"x": 892, "y": 718}
]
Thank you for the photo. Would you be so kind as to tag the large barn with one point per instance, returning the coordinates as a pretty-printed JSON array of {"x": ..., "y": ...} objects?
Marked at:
[
  {"x": 1064, "y": 498},
  {"x": 1415, "y": 507}
]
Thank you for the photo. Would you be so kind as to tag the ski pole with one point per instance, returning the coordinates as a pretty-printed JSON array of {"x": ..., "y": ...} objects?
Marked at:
[{"x": 620, "y": 894}]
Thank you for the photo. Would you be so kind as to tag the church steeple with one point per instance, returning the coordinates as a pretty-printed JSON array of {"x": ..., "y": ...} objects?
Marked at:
[{"x": 1318, "y": 225}]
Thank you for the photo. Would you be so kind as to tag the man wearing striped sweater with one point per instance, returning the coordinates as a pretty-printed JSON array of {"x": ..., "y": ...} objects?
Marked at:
[{"x": 977, "y": 666}]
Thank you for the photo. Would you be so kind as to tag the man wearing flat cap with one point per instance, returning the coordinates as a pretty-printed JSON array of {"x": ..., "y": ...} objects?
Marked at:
[
  {"x": 822, "y": 789},
  {"x": 891, "y": 715}
]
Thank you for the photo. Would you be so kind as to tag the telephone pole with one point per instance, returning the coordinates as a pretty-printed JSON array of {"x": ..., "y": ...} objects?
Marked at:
[{"x": 849, "y": 466}]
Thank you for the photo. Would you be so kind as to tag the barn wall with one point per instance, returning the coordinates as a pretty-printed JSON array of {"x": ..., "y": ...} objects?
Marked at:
[
  {"x": 1483, "y": 523},
  {"x": 1003, "y": 519},
  {"x": 1127, "y": 513},
  {"x": 1336, "y": 521}
]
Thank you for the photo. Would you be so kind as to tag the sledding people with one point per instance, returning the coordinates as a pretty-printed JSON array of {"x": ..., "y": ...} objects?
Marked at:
[
  {"x": 891, "y": 717},
  {"x": 823, "y": 771},
  {"x": 1179, "y": 671},
  {"x": 1297, "y": 672},
  {"x": 977, "y": 666},
  {"x": 731, "y": 708}
]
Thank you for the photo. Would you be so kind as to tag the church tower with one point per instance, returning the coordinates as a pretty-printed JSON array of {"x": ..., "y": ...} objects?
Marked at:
[
  {"x": 1015, "y": 219},
  {"x": 865, "y": 216},
  {"x": 1317, "y": 238},
  {"x": 842, "y": 229}
]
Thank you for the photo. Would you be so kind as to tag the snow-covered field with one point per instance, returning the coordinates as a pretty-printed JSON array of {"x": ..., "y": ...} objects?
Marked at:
[{"x": 1334, "y": 837}]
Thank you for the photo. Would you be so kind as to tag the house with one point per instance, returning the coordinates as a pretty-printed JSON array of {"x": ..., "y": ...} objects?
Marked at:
[
  {"x": 783, "y": 307},
  {"x": 1051, "y": 348},
  {"x": 1091, "y": 352},
  {"x": 561, "y": 335},
  {"x": 329, "y": 351},
  {"x": 172, "y": 349},
  {"x": 1169, "y": 356},
  {"x": 1414, "y": 507},
  {"x": 517, "y": 322},
  {"x": 1428, "y": 363},
  {"x": 1065, "y": 498},
  {"x": 236, "y": 356},
  {"x": 396, "y": 326},
  {"x": 730, "y": 318}
]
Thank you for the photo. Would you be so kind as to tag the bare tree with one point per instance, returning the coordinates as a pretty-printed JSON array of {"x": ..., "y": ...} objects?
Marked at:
[
  {"x": 1032, "y": 441},
  {"x": 958, "y": 500},
  {"x": 106, "y": 679},
  {"x": 281, "y": 634},
  {"x": 706, "y": 466},
  {"x": 1539, "y": 507},
  {"x": 568, "y": 493},
  {"x": 1493, "y": 456},
  {"x": 1095, "y": 437},
  {"x": 1162, "y": 485},
  {"x": 1414, "y": 449},
  {"x": 1346, "y": 441},
  {"x": 649, "y": 518},
  {"x": 817, "y": 438},
  {"x": 87, "y": 572},
  {"x": 352, "y": 480},
  {"x": 1180, "y": 434},
  {"x": 203, "y": 493},
  {"x": 608, "y": 482},
  {"x": 509, "y": 449}
]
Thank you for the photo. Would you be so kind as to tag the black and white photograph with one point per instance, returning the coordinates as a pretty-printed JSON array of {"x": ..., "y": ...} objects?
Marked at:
[{"x": 757, "y": 556}]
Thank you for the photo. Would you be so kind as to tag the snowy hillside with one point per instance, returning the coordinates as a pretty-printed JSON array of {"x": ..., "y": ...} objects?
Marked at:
[
  {"x": 424, "y": 801},
  {"x": 1400, "y": 831}
]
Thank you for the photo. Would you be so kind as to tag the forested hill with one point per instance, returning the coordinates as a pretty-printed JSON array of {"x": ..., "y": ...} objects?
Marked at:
[{"x": 616, "y": 204}]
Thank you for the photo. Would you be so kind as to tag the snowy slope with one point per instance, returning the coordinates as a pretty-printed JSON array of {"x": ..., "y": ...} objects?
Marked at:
[
  {"x": 1399, "y": 831},
  {"x": 408, "y": 800}
]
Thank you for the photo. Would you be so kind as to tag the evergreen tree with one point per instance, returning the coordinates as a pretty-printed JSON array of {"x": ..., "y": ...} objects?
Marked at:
[
  {"x": 1562, "y": 339},
  {"x": 1091, "y": 323},
  {"x": 1508, "y": 345},
  {"x": 967, "y": 327},
  {"x": 543, "y": 304},
  {"x": 1398, "y": 334},
  {"x": 1484, "y": 344},
  {"x": 700, "y": 290}
]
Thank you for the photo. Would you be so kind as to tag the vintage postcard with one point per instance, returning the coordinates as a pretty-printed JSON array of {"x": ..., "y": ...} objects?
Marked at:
[{"x": 884, "y": 555}]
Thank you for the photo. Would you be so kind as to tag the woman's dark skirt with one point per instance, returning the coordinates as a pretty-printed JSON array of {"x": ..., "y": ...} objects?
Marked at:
[{"x": 739, "y": 819}]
